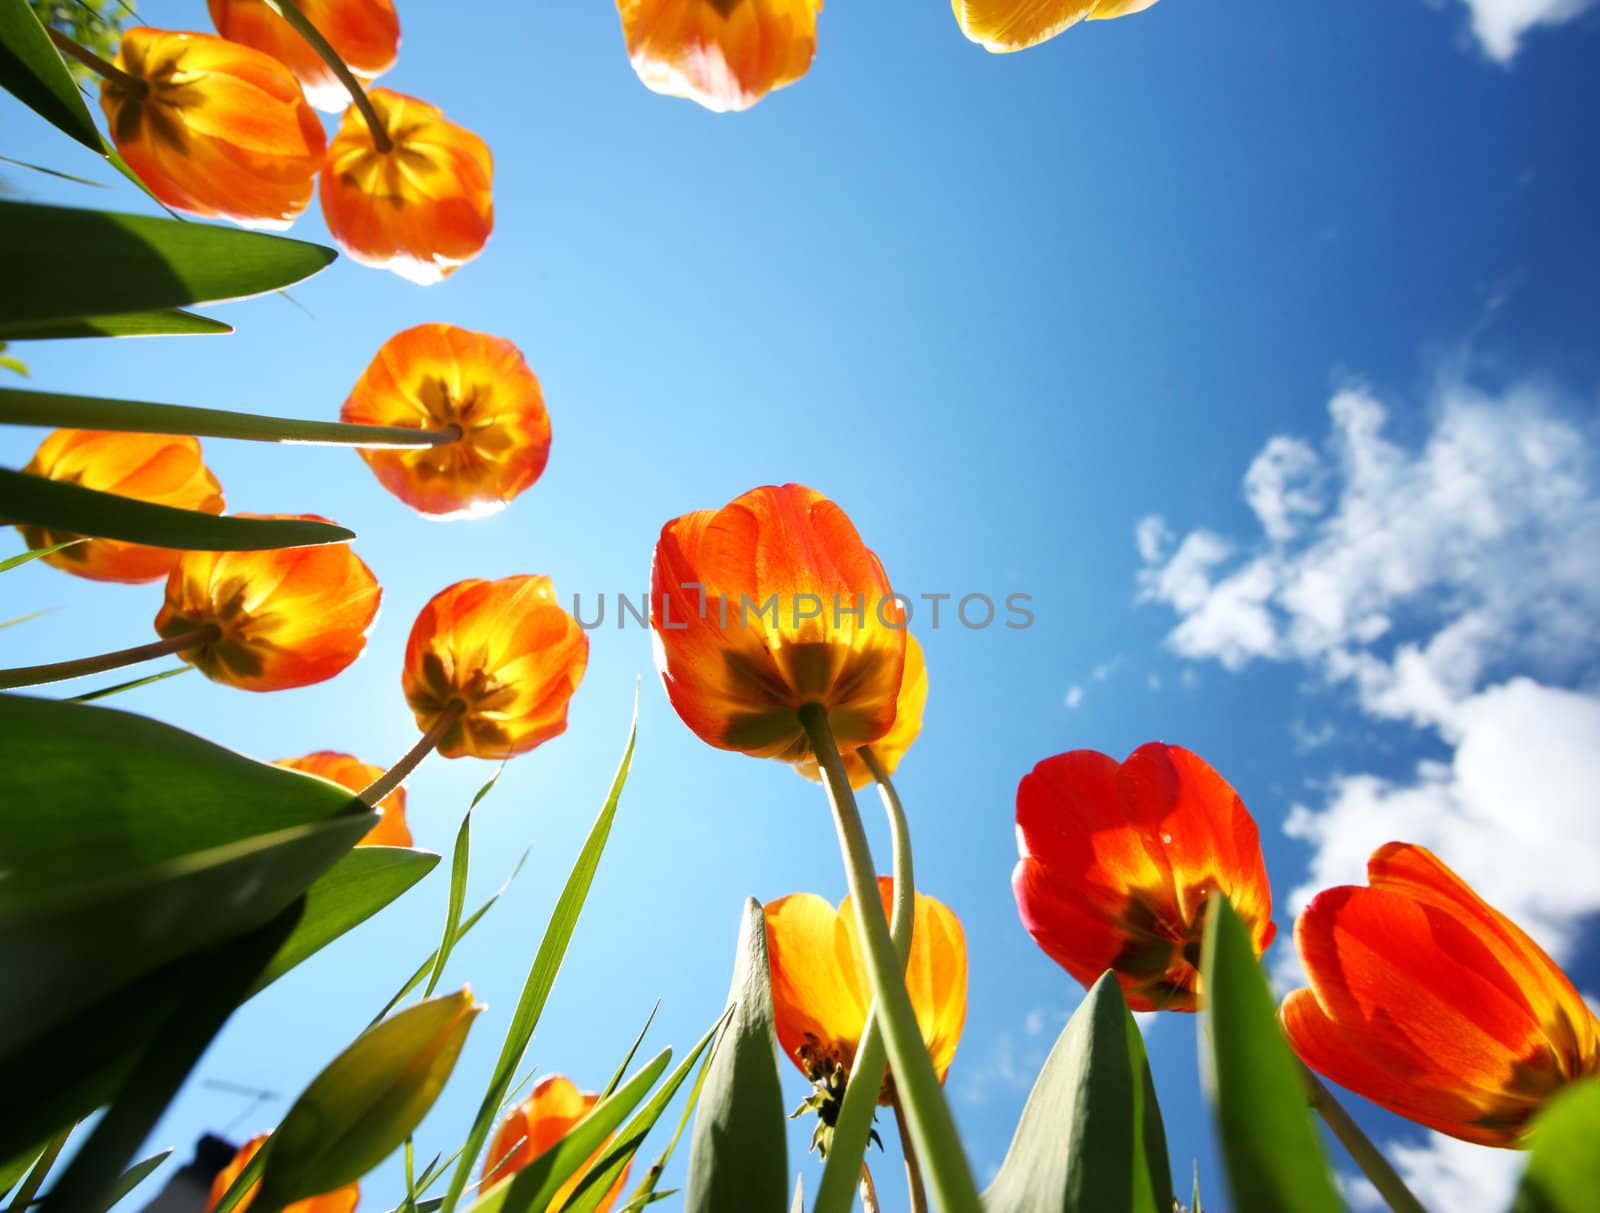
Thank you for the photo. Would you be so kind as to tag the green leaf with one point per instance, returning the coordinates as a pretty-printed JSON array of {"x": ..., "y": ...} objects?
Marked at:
[
  {"x": 366, "y": 1102},
  {"x": 616, "y": 1076},
  {"x": 33, "y": 72},
  {"x": 1563, "y": 1174},
  {"x": 531, "y": 1189},
  {"x": 345, "y": 896},
  {"x": 19, "y": 406},
  {"x": 542, "y": 976},
  {"x": 13, "y": 1169},
  {"x": 71, "y": 507},
  {"x": 21, "y": 558},
  {"x": 131, "y": 684},
  {"x": 212, "y": 992},
  {"x": 738, "y": 1151},
  {"x": 1090, "y": 1137},
  {"x": 458, "y": 895},
  {"x": 80, "y": 263},
  {"x": 1269, "y": 1144},
  {"x": 646, "y": 1193},
  {"x": 134, "y": 1176},
  {"x": 52, "y": 172},
  {"x": 36, "y": 1168},
  {"x": 170, "y": 322}
]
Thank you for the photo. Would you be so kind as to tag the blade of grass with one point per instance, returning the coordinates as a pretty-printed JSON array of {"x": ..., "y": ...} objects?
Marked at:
[
  {"x": 458, "y": 896},
  {"x": 21, "y": 558},
  {"x": 628, "y": 1060},
  {"x": 133, "y": 1177},
  {"x": 118, "y": 688}
]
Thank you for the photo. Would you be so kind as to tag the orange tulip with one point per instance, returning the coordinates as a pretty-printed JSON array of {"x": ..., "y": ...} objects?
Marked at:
[
  {"x": 1014, "y": 25},
  {"x": 366, "y": 33},
  {"x": 436, "y": 376},
  {"x": 725, "y": 54},
  {"x": 766, "y": 605},
  {"x": 820, "y": 990},
  {"x": 1433, "y": 1004},
  {"x": 163, "y": 469},
  {"x": 506, "y": 653},
  {"x": 537, "y": 1123},
  {"x": 1119, "y": 860},
  {"x": 340, "y": 1200},
  {"x": 350, "y": 772},
  {"x": 423, "y": 207},
  {"x": 892, "y": 746},
  {"x": 283, "y": 619},
  {"x": 214, "y": 128}
]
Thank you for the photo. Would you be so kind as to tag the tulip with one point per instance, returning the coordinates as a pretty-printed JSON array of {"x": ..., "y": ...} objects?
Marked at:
[
  {"x": 340, "y": 1200},
  {"x": 724, "y": 54},
  {"x": 213, "y": 128},
  {"x": 891, "y": 747},
  {"x": 162, "y": 469},
  {"x": 491, "y": 665},
  {"x": 1002, "y": 26},
  {"x": 537, "y": 1123},
  {"x": 350, "y": 772},
  {"x": 439, "y": 377},
  {"x": 821, "y": 992},
  {"x": 276, "y": 619},
  {"x": 1118, "y": 862},
  {"x": 768, "y": 605},
  {"x": 417, "y": 201},
  {"x": 366, "y": 33},
  {"x": 1433, "y": 1004}
]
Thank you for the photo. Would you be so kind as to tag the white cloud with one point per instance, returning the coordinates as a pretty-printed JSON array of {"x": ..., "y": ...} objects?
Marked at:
[
  {"x": 1451, "y": 1176},
  {"x": 1284, "y": 485},
  {"x": 1074, "y": 697},
  {"x": 1500, "y": 25}
]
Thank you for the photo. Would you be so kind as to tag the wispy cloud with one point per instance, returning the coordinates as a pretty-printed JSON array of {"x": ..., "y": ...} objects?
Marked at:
[{"x": 1501, "y": 25}]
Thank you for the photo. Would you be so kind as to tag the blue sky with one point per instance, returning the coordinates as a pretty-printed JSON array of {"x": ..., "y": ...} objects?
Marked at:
[{"x": 1005, "y": 310}]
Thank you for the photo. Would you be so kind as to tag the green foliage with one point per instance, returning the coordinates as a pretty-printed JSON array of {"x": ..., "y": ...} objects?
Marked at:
[
  {"x": 33, "y": 72},
  {"x": 95, "y": 25},
  {"x": 1090, "y": 1137},
  {"x": 1563, "y": 1174}
]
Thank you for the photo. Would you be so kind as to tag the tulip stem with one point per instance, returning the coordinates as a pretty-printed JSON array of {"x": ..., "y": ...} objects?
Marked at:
[
  {"x": 60, "y": 671},
  {"x": 446, "y": 720},
  {"x": 290, "y": 12},
  {"x": 914, "y": 1189},
  {"x": 109, "y": 71},
  {"x": 932, "y": 1127},
  {"x": 1359, "y": 1146}
]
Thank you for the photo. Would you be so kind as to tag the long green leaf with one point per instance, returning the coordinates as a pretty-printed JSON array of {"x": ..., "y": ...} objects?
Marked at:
[
  {"x": 133, "y": 1177},
  {"x": 22, "y": 558},
  {"x": 80, "y": 263},
  {"x": 1563, "y": 1174},
  {"x": 738, "y": 1150},
  {"x": 542, "y": 976},
  {"x": 71, "y": 507},
  {"x": 131, "y": 684},
  {"x": 19, "y": 1164},
  {"x": 1090, "y": 1137},
  {"x": 459, "y": 863},
  {"x": 645, "y": 1193},
  {"x": 20, "y": 406},
  {"x": 32, "y": 71},
  {"x": 170, "y": 322},
  {"x": 617, "y": 1074},
  {"x": 1269, "y": 1145}
]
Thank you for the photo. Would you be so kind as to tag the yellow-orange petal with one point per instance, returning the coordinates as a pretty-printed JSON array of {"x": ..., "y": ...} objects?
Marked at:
[
  {"x": 340, "y": 1200},
  {"x": 1431, "y": 1003},
  {"x": 366, "y": 33},
  {"x": 507, "y": 652},
  {"x": 892, "y": 746},
  {"x": 766, "y": 605},
  {"x": 163, "y": 469},
  {"x": 348, "y": 771},
  {"x": 537, "y": 1123},
  {"x": 285, "y": 618},
  {"x": 438, "y": 376},
  {"x": 422, "y": 209},
  {"x": 1013, "y": 25},
  {"x": 723, "y": 54},
  {"x": 216, "y": 129}
]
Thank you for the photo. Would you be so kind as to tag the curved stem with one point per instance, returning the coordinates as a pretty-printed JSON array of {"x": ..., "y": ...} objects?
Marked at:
[
  {"x": 914, "y": 1189},
  {"x": 850, "y": 1131},
  {"x": 59, "y": 671},
  {"x": 932, "y": 1126},
  {"x": 446, "y": 720},
  {"x": 1359, "y": 1146},
  {"x": 290, "y": 12},
  {"x": 108, "y": 71}
]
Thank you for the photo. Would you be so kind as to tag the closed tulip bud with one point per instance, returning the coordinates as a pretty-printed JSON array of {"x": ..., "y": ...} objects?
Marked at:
[
  {"x": 213, "y": 128},
  {"x": 537, "y": 1123},
  {"x": 422, "y": 207},
  {"x": 163, "y": 469},
  {"x": 724, "y": 54},
  {"x": 340, "y": 1200},
  {"x": 350, "y": 772},
  {"x": 1013, "y": 25},
  {"x": 366, "y": 33}
]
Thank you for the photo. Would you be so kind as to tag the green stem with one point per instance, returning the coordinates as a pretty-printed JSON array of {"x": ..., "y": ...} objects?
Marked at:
[
  {"x": 39, "y": 1171},
  {"x": 1359, "y": 1146},
  {"x": 108, "y": 71},
  {"x": 290, "y": 12},
  {"x": 836, "y": 1192},
  {"x": 932, "y": 1127},
  {"x": 914, "y": 1188},
  {"x": 33, "y": 675},
  {"x": 396, "y": 775}
]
